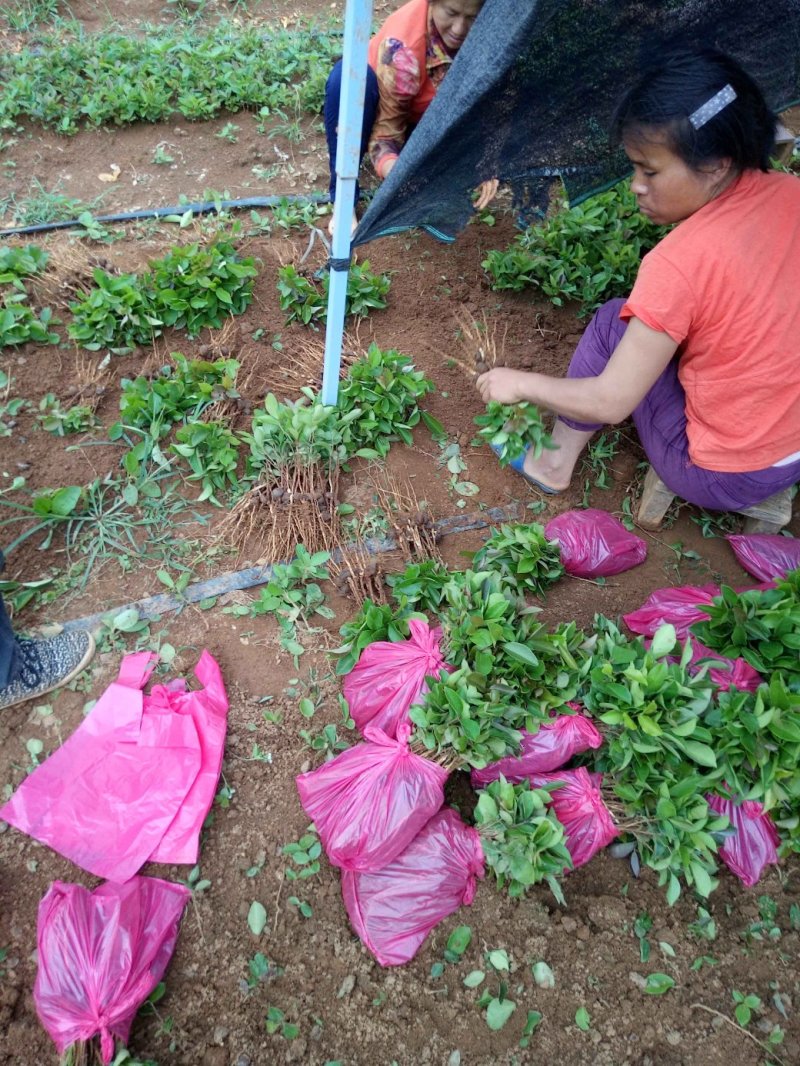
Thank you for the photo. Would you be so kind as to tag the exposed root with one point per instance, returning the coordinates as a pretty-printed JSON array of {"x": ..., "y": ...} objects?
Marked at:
[
  {"x": 297, "y": 507},
  {"x": 67, "y": 274},
  {"x": 227, "y": 344},
  {"x": 90, "y": 382},
  {"x": 479, "y": 343},
  {"x": 411, "y": 523},
  {"x": 307, "y": 356},
  {"x": 359, "y": 576}
]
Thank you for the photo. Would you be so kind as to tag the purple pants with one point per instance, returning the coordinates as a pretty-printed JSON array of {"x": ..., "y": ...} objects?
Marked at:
[{"x": 660, "y": 421}]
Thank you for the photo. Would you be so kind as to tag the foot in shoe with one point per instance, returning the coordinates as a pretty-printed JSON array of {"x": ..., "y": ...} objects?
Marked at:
[{"x": 43, "y": 665}]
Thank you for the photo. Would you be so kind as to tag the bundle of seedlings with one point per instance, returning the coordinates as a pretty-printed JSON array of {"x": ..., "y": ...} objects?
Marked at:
[
  {"x": 411, "y": 523},
  {"x": 509, "y": 429},
  {"x": 358, "y": 575},
  {"x": 230, "y": 405},
  {"x": 296, "y": 451},
  {"x": 523, "y": 556},
  {"x": 516, "y": 836},
  {"x": 659, "y": 755},
  {"x": 762, "y": 626}
]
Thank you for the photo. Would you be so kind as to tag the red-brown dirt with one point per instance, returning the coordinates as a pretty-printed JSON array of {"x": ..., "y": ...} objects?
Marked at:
[{"x": 348, "y": 1009}]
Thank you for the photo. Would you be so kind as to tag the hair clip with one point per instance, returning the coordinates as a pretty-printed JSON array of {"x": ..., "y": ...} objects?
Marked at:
[{"x": 712, "y": 107}]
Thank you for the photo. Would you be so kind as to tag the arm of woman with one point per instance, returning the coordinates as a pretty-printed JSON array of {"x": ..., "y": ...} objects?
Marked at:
[
  {"x": 398, "y": 74},
  {"x": 635, "y": 365}
]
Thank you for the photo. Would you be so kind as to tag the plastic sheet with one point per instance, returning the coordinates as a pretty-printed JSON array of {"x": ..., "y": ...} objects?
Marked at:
[
  {"x": 678, "y": 606},
  {"x": 100, "y": 956},
  {"x": 395, "y": 908},
  {"x": 390, "y": 677},
  {"x": 578, "y": 805},
  {"x": 370, "y": 802},
  {"x": 766, "y": 555},
  {"x": 754, "y": 844},
  {"x": 553, "y": 746},
  {"x": 594, "y": 543},
  {"x": 135, "y": 780},
  {"x": 736, "y": 672}
]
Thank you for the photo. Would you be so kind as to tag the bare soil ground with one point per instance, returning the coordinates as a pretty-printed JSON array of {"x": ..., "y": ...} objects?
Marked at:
[{"x": 348, "y": 1009}]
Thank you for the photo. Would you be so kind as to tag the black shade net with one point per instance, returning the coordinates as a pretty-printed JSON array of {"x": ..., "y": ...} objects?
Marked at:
[{"x": 530, "y": 96}]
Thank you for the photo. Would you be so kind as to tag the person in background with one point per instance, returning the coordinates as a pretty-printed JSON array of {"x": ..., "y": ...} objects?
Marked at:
[
  {"x": 30, "y": 668},
  {"x": 705, "y": 351},
  {"x": 408, "y": 58}
]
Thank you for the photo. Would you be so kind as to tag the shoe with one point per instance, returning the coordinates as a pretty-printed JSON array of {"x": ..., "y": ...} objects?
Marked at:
[
  {"x": 47, "y": 664},
  {"x": 518, "y": 464}
]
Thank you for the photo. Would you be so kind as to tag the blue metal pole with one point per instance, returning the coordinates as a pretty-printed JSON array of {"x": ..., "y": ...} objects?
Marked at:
[{"x": 357, "y": 22}]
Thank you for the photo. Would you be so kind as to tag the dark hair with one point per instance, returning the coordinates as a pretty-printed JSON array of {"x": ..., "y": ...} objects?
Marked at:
[{"x": 683, "y": 80}]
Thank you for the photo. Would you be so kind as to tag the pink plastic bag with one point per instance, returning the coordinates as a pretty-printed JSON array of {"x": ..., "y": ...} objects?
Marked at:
[
  {"x": 766, "y": 555},
  {"x": 594, "y": 543},
  {"x": 135, "y": 780},
  {"x": 395, "y": 908},
  {"x": 579, "y": 806},
  {"x": 679, "y": 606},
  {"x": 736, "y": 672},
  {"x": 553, "y": 746},
  {"x": 370, "y": 802},
  {"x": 389, "y": 677},
  {"x": 100, "y": 956},
  {"x": 753, "y": 846}
]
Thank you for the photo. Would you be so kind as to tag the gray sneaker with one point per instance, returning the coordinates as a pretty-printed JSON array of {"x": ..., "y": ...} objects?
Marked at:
[{"x": 47, "y": 664}]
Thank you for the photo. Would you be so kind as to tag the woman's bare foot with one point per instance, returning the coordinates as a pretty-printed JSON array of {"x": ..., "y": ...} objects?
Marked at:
[
  {"x": 554, "y": 467},
  {"x": 332, "y": 223}
]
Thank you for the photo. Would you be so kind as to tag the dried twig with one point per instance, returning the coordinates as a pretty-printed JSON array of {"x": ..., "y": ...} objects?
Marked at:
[{"x": 718, "y": 1014}]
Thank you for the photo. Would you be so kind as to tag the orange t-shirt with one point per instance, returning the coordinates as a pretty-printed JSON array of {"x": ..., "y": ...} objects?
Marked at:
[{"x": 725, "y": 284}]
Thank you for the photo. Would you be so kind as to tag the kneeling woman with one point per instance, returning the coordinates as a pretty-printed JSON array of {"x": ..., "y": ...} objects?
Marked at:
[
  {"x": 408, "y": 57},
  {"x": 705, "y": 352}
]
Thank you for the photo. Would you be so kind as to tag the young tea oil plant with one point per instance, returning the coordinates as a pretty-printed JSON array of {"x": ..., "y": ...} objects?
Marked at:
[
  {"x": 587, "y": 253},
  {"x": 305, "y": 301},
  {"x": 510, "y": 429}
]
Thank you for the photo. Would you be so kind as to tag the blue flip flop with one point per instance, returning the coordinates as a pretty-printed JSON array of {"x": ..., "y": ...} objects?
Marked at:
[{"x": 518, "y": 464}]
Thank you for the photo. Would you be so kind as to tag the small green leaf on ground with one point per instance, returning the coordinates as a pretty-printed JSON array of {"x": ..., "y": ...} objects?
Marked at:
[
  {"x": 257, "y": 918},
  {"x": 658, "y": 983},
  {"x": 498, "y": 1012},
  {"x": 583, "y": 1019},
  {"x": 543, "y": 975}
]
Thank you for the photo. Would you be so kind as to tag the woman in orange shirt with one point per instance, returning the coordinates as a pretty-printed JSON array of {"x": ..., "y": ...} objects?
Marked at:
[
  {"x": 408, "y": 57},
  {"x": 704, "y": 354}
]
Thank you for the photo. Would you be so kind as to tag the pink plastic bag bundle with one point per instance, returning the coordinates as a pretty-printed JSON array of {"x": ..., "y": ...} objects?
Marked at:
[
  {"x": 754, "y": 844},
  {"x": 766, "y": 555},
  {"x": 679, "y": 606},
  {"x": 370, "y": 802},
  {"x": 553, "y": 746},
  {"x": 395, "y": 908},
  {"x": 100, "y": 956},
  {"x": 135, "y": 781},
  {"x": 579, "y": 806},
  {"x": 594, "y": 543},
  {"x": 389, "y": 677},
  {"x": 736, "y": 672}
]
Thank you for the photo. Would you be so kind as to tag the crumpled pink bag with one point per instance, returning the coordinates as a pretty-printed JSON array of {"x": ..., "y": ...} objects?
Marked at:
[
  {"x": 766, "y": 555},
  {"x": 553, "y": 746},
  {"x": 754, "y": 844},
  {"x": 100, "y": 956},
  {"x": 136, "y": 778},
  {"x": 678, "y": 606},
  {"x": 594, "y": 543},
  {"x": 736, "y": 672},
  {"x": 578, "y": 805},
  {"x": 394, "y": 909},
  {"x": 370, "y": 802},
  {"x": 389, "y": 677}
]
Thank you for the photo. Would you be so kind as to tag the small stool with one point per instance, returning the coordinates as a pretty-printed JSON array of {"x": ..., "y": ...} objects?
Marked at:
[{"x": 769, "y": 516}]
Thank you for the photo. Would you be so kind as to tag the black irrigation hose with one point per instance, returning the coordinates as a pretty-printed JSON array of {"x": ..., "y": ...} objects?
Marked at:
[
  {"x": 153, "y": 606},
  {"x": 181, "y": 209}
]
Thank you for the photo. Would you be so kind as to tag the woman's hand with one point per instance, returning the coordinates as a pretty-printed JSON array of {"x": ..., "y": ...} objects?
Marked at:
[
  {"x": 503, "y": 385},
  {"x": 487, "y": 190}
]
